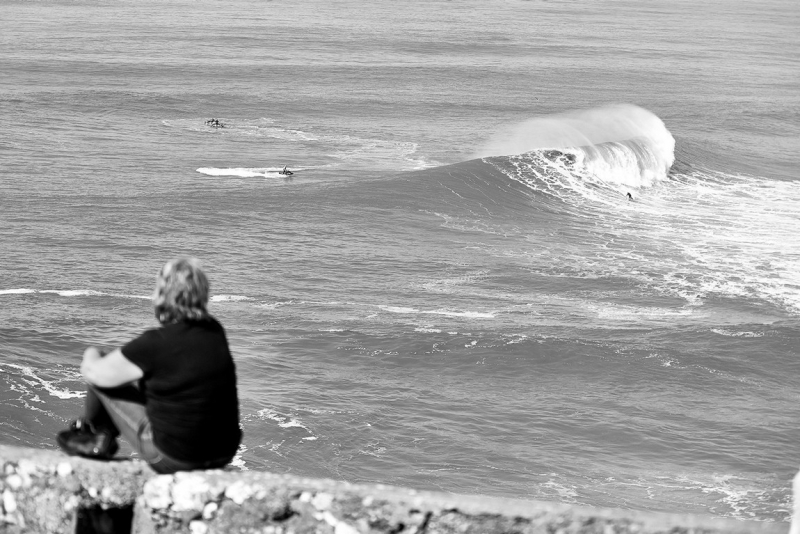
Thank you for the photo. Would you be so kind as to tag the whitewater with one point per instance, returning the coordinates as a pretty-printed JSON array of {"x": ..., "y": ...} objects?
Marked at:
[{"x": 529, "y": 249}]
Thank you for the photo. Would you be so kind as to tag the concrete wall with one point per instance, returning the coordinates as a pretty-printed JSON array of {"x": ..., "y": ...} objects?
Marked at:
[{"x": 48, "y": 492}]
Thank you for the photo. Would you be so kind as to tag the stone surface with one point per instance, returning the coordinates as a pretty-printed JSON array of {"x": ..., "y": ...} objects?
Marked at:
[
  {"x": 48, "y": 492},
  {"x": 48, "y": 488}
]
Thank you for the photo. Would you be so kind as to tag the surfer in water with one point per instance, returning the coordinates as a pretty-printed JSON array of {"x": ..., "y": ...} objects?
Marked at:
[
  {"x": 630, "y": 197},
  {"x": 285, "y": 171}
]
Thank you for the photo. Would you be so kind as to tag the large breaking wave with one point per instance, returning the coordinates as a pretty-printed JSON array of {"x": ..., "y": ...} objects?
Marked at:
[
  {"x": 560, "y": 183},
  {"x": 619, "y": 145}
]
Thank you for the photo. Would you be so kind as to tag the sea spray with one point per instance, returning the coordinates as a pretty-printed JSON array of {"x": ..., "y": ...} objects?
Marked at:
[{"x": 620, "y": 144}]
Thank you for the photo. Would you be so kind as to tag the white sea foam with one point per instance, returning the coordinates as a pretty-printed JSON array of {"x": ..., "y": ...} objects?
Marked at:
[
  {"x": 700, "y": 234},
  {"x": 449, "y": 285},
  {"x": 274, "y": 305},
  {"x": 732, "y": 491},
  {"x": 47, "y": 385},
  {"x": 283, "y": 421},
  {"x": 469, "y": 314},
  {"x": 738, "y": 239},
  {"x": 273, "y": 447},
  {"x": 238, "y": 460},
  {"x": 730, "y": 333},
  {"x": 565, "y": 493},
  {"x": 619, "y": 312},
  {"x": 25, "y": 399},
  {"x": 229, "y": 298},
  {"x": 448, "y": 313},
  {"x": 73, "y": 292},
  {"x": 398, "y": 309},
  {"x": 386, "y": 153},
  {"x": 241, "y": 172},
  {"x": 231, "y": 126},
  {"x": 20, "y": 291},
  {"x": 620, "y": 144}
]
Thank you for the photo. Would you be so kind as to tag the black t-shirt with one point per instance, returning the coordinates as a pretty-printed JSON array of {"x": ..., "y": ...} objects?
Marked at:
[{"x": 190, "y": 389}]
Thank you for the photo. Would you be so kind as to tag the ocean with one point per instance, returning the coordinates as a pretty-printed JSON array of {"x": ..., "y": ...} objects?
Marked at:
[{"x": 453, "y": 291}]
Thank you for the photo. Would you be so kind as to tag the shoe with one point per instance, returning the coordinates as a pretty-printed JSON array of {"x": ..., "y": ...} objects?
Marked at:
[{"x": 83, "y": 439}]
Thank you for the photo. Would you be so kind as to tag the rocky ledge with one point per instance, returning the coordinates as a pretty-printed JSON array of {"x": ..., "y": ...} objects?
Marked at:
[{"x": 47, "y": 492}]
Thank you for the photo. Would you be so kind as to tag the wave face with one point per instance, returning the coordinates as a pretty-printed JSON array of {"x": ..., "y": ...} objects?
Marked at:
[
  {"x": 616, "y": 145},
  {"x": 698, "y": 235}
]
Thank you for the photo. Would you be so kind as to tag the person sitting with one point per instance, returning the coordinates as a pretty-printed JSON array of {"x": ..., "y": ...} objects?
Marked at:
[
  {"x": 285, "y": 171},
  {"x": 171, "y": 392}
]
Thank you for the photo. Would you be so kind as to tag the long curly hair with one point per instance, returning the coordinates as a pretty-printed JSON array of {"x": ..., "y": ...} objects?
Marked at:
[{"x": 181, "y": 291}]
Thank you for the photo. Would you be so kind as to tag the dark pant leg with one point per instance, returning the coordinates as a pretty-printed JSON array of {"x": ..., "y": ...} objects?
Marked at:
[
  {"x": 122, "y": 411},
  {"x": 95, "y": 413},
  {"x": 124, "y": 408}
]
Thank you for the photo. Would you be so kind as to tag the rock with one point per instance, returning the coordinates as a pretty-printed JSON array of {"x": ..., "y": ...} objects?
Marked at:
[
  {"x": 71, "y": 503},
  {"x": 26, "y": 467},
  {"x": 14, "y": 481},
  {"x": 329, "y": 518},
  {"x": 64, "y": 469},
  {"x": 239, "y": 492},
  {"x": 189, "y": 492},
  {"x": 222, "y": 501},
  {"x": 9, "y": 502},
  {"x": 198, "y": 527},
  {"x": 344, "y": 528},
  {"x": 322, "y": 501},
  {"x": 210, "y": 510},
  {"x": 157, "y": 493}
]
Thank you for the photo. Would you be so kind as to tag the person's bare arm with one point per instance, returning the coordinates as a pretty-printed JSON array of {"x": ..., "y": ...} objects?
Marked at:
[{"x": 108, "y": 371}]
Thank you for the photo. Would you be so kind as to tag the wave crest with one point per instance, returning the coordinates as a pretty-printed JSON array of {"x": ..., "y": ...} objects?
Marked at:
[{"x": 620, "y": 144}]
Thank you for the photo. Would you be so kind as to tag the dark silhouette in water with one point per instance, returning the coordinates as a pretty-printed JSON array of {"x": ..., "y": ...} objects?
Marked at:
[
  {"x": 630, "y": 197},
  {"x": 215, "y": 123},
  {"x": 285, "y": 171}
]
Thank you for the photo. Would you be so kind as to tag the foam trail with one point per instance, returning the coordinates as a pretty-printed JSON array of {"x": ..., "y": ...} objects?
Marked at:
[
  {"x": 448, "y": 313},
  {"x": 73, "y": 292},
  {"x": 48, "y": 385},
  {"x": 229, "y": 298},
  {"x": 70, "y": 293},
  {"x": 20, "y": 291},
  {"x": 622, "y": 144},
  {"x": 241, "y": 172}
]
